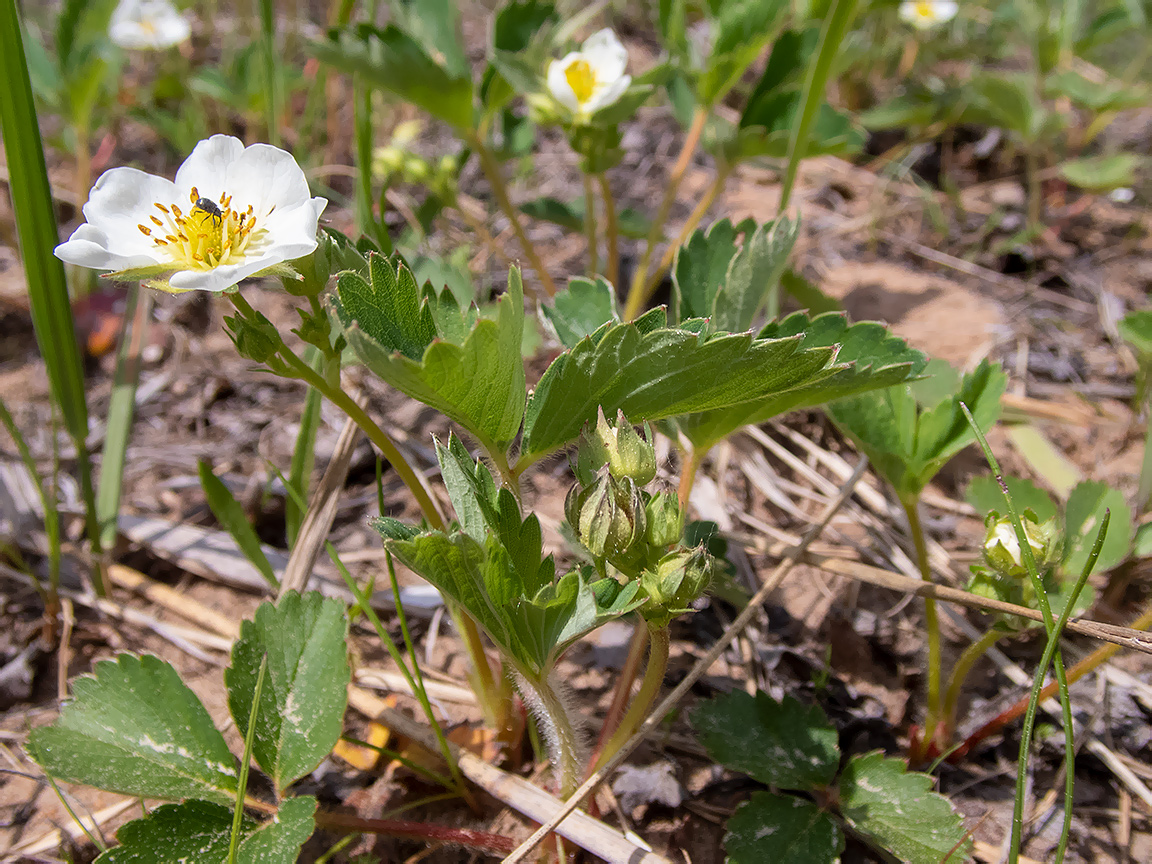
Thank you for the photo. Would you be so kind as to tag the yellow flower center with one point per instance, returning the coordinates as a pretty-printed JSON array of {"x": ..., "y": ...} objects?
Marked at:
[
  {"x": 211, "y": 234},
  {"x": 925, "y": 9},
  {"x": 581, "y": 79}
]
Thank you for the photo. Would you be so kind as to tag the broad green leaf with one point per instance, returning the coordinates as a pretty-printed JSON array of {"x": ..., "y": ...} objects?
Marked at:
[
  {"x": 1136, "y": 329},
  {"x": 742, "y": 30},
  {"x": 753, "y": 274},
  {"x": 660, "y": 372},
  {"x": 1101, "y": 173},
  {"x": 1142, "y": 545},
  {"x": 387, "y": 307},
  {"x": 898, "y": 811},
  {"x": 699, "y": 269},
  {"x": 199, "y": 832},
  {"x": 785, "y": 745},
  {"x": 782, "y": 829},
  {"x": 466, "y": 480},
  {"x": 229, "y": 513},
  {"x": 868, "y": 358},
  {"x": 133, "y": 727},
  {"x": 1083, "y": 515},
  {"x": 581, "y": 309},
  {"x": 478, "y": 382},
  {"x": 570, "y": 214},
  {"x": 908, "y": 443},
  {"x": 1098, "y": 97},
  {"x": 305, "y": 688},
  {"x": 518, "y": 21},
  {"x": 531, "y": 617},
  {"x": 435, "y": 24},
  {"x": 1008, "y": 101},
  {"x": 392, "y": 60},
  {"x": 985, "y": 495}
]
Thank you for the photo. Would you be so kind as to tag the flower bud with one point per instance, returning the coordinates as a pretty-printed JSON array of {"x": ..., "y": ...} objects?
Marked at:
[
  {"x": 608, "y": 516},
  {"x": 387, "y": 161},
  {"x": 665, "y": 519},
  {"x": 314, "y": 270},
  {"x": 622, "y": 449},
  {"x": 1002, "y": 551},
  {"x": 255, "y": 338},
  {"x": 416, "y": 169},
  {"x": 679, "y": 578}
]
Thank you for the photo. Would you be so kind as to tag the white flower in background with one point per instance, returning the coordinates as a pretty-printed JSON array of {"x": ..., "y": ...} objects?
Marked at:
[
  {"x": 592, "y": 78},
  {"x": 231, "y": 213},
  {"x": 148, "y": 24},
  {"x": 926, "y": 14},
  {"x": 1123, "y": 195}
]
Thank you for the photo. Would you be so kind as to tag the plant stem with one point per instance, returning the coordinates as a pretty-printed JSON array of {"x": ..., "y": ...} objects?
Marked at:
[
  {"x": 590, "y": 227},
  {"x": 911, "y": 504},
  {"x": 1090, "y": 663},
  {"x": 637, "y": 291},
  {"x": 1145, "y": 492},
  {"x": 689, "y": 226},
  {"x": 611, "y": 230},
  {"x": 689, "y": 466},
  {"x": 378, "y": 436},
  {"x": 559, "y": 733},
  {"x": 649, "y": 687},
  {"x": 1035, "y": 192},
  {"x": 426, "y": 832},
  {"x": 495, "y": 176},
  {"x": 622, "y": 690},
  {"x": 960, "y": 673}
]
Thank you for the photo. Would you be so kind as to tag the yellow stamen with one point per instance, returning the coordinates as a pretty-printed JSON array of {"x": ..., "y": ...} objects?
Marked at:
[
  {"x": 581, "y": 79},
  {"x": 146, "y": 231},
  {"x": 156, "y": 221},
  {"x": 194, "y": 195}
]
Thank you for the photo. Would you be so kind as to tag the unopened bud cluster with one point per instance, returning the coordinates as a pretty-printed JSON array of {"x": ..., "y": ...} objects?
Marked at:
[
  {"x": 636, "y": 531},
  {"x": 1004, "y": 573},
  {"x": 397, "y": 162}
]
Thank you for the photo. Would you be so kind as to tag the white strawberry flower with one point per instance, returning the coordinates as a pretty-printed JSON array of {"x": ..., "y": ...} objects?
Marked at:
[
  {"x": 926, "y": 14},
  {"x": 592, "y": 78},
  {"x": 231, "y": 213},
  {"x": 148, "y": 24}
]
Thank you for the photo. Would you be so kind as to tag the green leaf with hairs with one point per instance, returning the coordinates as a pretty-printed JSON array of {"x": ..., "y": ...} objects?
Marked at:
[{"x": 134, "y": 727}]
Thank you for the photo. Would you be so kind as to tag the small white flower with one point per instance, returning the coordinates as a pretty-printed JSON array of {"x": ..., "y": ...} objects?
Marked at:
[
  {"x": 1123, "y": 195},
  {"x": 1003, "y": 535},
  {"x": 148, "y": 24},
  {"x": 592, "y": 78},
  {"x": 926, "y": 14},
  {"x": 247, "y": 209}
]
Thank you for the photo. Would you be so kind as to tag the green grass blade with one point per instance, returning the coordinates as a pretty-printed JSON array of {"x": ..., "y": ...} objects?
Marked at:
[
  {"x": 121, "y": 408},
  {"x": 230, "y": 514},
  {"x": 246, "y": 762},
  {"x": 36, "y": 229},
  {"x": 48, "y": 504},
  {"x": 836, "y": 22},
  {"x": 271, "y": 71},
  {"x": 1052, "y": 653},
  {"x": 304, "y": 453}
]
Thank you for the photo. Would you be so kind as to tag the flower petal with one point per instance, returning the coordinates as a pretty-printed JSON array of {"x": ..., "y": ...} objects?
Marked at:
[
  {"x": 121, "y": 199},
  {"x": 207, "y": 166},
  {"x": 608, "y": 95},
  {"x": 293, "y": 232},
  {"x": 266, "y": 177},
  {"x": 606, "y": 55},
  {"x": 558, "y": 84}
]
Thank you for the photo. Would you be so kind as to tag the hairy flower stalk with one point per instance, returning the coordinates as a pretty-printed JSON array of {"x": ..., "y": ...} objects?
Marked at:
[
  {"x": 549, "y": 700},
  {"x": 231, "y": 213}
]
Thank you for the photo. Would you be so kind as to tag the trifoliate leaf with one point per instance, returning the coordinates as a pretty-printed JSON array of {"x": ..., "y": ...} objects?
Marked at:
[
  {"x": 660, "y": 372},
  {"x": 783, "y": 744},
  {"x": 133, "y": 727},
  {"x": 478, "y": 382},
  {"x": 782, "y": 829},
  {"x": 305, "y": 685},
  {"x": 869, "y": 358},
  {"x": 898, "y": 810},
  {"x": 199, "y": 832},
  {"x": 392, "y": 60},
  {"x": 581, "y": 309},
  {"x": 909, "y": 444}
]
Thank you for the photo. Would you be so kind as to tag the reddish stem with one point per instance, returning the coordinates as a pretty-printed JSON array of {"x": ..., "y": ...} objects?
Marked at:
[{"x": 481, "y": 841}]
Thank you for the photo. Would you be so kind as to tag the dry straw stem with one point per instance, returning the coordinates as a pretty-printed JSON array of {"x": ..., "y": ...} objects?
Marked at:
[
  {"x": 670, "y": 701},
  {"x": 1125, "y": 637}
]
